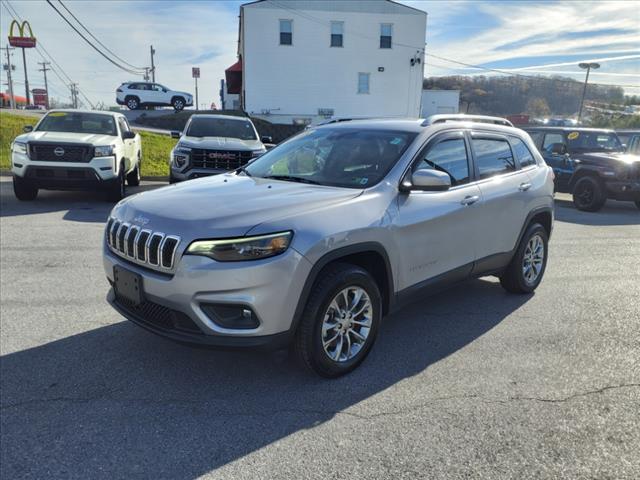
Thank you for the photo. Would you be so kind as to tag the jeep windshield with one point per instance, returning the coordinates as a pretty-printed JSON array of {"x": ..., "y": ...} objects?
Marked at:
[
  {"x": 341, "y": 157},
  {"x": 579, "y": 142},
  {"x": 78, "y": 122},
  {"x": 220, "y": 127}
]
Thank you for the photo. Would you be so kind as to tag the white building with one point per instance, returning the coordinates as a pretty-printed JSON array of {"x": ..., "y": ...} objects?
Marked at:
[
  {"x": 306, "y": 60},
  {"x": 439, "y": 101}
]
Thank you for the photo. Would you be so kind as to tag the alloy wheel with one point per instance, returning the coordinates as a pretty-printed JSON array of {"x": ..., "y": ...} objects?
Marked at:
[
  {"x": 533, "y": 259},
  {"x": 347, "y": 324}
]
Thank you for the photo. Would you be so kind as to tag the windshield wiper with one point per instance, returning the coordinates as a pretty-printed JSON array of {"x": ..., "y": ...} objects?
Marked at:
[
  {"x": 243, "y": 169},
  {"x": 290, "y": 178}
]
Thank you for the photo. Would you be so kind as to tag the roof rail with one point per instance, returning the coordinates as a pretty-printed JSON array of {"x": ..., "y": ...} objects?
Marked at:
[{"x": 461, "y": 117}]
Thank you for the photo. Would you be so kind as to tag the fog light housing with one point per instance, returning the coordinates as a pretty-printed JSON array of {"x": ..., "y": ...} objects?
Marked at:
[{"x": 233, "y": 317}]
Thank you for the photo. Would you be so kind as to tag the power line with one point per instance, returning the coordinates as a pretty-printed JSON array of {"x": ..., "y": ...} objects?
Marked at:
[
  {"x": 44, "y": 53},
  {"x": 126, "y": 69},
  {"x": 94, "y": 37}
]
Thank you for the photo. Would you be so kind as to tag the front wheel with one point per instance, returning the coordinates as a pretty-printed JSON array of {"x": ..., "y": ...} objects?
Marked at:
[
  {"x": 116, "y": 191},
  {"x": 340, "y": 321},
  {"x": 588, "y": 195},
  {"x": 526, "y": 269},
  {"x": 133, "y": 178},
  {"x": 23, "y": 189},
  {"x": 133, "y": 103},
  {"x": 178, "y": 104}
]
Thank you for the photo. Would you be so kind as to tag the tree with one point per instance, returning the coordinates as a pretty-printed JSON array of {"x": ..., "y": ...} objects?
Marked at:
[{"x": 538, "y": 107}]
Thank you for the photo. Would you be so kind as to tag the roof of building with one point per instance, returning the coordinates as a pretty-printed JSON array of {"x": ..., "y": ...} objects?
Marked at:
[{"x": 373, "y": 6}]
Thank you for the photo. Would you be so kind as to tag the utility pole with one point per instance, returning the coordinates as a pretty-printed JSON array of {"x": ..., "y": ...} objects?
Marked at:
[
  {"x": 587, "y": 67},
  {"x": 74, "y": 94},
  {"x": 146, "y": 74},
  {"x": 26, "y": 78},
  {"x": 153, "y": 67},
  {"x": 44, "y": 69},
  {"x": 12, "y": 99}
]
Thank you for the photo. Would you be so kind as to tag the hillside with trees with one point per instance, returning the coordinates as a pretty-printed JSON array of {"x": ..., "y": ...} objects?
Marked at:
[{"x": 536, "y": 96}]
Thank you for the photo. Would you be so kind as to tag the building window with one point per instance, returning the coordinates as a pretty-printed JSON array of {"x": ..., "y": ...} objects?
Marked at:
[
  {"x": 336, "y": 34},
  {"x": 386, "y": 32},
  {"x": 363, "y": 83},
  {"x": 286, "y": 32}
]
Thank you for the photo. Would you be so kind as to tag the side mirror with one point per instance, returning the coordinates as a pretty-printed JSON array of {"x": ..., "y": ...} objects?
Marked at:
[
  {"x": 558, "y": 148},
  {"x": 175, "y": 134},
  {"x": 27, "y": 128},
  {"x": 128, "y": 135},
  {"x": 266, "y": 139},
  {"x": 427, "y": 180}
]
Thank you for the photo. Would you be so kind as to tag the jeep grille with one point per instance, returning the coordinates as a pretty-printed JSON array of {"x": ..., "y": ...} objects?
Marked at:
[{"x": 144, "y": 247}]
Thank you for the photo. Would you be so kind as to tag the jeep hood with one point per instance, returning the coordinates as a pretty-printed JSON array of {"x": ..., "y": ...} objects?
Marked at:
[
  {"x": 225, "y": 205},
  {"x": 221, "y": 143},
  {"x": 606, "y": 159},
  {"x": 67, "y": 137}
]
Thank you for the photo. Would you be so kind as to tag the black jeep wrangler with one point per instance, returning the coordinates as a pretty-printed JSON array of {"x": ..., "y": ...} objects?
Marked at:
[{"x": 589, "y": 163}]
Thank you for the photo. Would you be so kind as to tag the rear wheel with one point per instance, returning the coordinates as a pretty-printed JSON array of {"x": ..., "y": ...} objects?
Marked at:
[
  {"x": 340, "y": 321},
  {"x": 132, "y": 103},
  {"x": 588, "y": 194},
  {"x": 23, "y": 189},
  {"x": 525, "y": 272}
]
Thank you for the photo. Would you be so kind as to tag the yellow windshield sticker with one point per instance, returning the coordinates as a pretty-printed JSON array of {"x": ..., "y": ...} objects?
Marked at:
[
  {"x": 573, "y": 135},
  {"x": 58, "y": 114}
]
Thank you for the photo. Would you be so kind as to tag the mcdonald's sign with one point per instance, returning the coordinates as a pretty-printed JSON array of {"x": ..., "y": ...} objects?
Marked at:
[{"x": 21, "y": 41}]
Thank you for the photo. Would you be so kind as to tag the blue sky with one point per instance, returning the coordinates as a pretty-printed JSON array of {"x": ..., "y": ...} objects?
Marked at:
[{"x": 538, "y": 37}]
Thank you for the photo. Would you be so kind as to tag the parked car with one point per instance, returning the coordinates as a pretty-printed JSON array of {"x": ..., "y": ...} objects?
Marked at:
[
  {"x": 590, "y": 164},
  {"x": 628, "y": 137},
  {"x": 76, "y": 149},
  {"x": 316, "y": 240},
  {"x": 633, "y": 147},
  {"x": 146, "y": 94},
  {"x": 213, "y": 144}
]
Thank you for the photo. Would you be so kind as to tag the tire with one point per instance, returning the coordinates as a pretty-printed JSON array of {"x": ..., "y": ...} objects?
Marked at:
[
  {"x": 172, "y": 179},
  {"x": 324, "y": 306},
  {"x": 24, "y": 189},
  {"x": 516, "y": 277},
  {"x": 133, "y": 178},
  {"x": 133, "y": 103},
  {"x": 177, "y": 103},
  {"x": 588, "y": 194},
  {"x": 117, "y": 190}
]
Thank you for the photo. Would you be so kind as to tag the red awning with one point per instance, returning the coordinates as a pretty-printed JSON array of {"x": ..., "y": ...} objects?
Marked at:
[{"x": 233, "y": 74}]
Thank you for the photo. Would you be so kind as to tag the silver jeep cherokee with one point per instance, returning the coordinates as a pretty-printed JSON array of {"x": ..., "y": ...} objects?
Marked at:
[{"x": 316, "y": 240}]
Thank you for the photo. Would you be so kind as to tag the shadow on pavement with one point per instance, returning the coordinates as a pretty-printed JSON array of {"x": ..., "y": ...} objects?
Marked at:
[
  {"x": 613, "y": 213},
  {"x": 118, "y": 402},
  {"x": 79, "y": 206}
]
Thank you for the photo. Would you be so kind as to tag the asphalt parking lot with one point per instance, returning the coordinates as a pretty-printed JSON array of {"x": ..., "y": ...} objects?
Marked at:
[{"x": 473, "y": 383}]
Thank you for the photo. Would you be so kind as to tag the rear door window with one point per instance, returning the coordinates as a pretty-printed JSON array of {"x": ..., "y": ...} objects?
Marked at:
[
  {"x": 522, "y": 152},
  {"x": 493, "y": 157}
]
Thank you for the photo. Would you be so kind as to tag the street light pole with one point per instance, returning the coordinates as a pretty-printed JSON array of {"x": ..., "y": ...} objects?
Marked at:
[{"x": 588, "y": 67}]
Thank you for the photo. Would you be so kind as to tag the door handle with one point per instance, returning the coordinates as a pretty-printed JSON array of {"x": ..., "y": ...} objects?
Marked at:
[
  {"x": 524, "y": 187},
  {"x": 470, "y": 200}
]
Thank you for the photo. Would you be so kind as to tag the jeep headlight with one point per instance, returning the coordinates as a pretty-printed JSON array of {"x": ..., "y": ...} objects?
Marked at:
[
  {"x": 243, "y": 248},
  {"x": 19, "y": 147},
  {"x": 103, "y": 151}
]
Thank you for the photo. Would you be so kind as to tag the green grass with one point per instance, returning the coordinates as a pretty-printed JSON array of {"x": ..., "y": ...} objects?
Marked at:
[{"x": 155, "y": 148}]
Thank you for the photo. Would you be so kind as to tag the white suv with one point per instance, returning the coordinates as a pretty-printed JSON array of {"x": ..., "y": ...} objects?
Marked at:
[
  {"x": 76, "y": 150},
  {"x": 139, "y": 94}
]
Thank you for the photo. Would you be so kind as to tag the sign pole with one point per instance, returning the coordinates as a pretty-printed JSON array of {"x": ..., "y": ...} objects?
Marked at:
[
  {"x": 197, "y": 104},
  {"x": 26, "y": 78}
]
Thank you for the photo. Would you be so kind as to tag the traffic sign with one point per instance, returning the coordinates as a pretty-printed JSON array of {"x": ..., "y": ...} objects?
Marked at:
[{"x": 195, "y": 72}]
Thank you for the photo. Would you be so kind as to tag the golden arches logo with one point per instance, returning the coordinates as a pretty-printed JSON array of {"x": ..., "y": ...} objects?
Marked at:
[{"x": 21, "y": 40}]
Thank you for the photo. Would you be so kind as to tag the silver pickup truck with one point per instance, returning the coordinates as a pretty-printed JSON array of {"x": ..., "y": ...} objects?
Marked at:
[{"x": 213, "y": 144}]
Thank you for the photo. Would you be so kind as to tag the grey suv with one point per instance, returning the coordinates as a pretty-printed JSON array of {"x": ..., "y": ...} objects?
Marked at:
[{"x": 316, "y": 240}]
